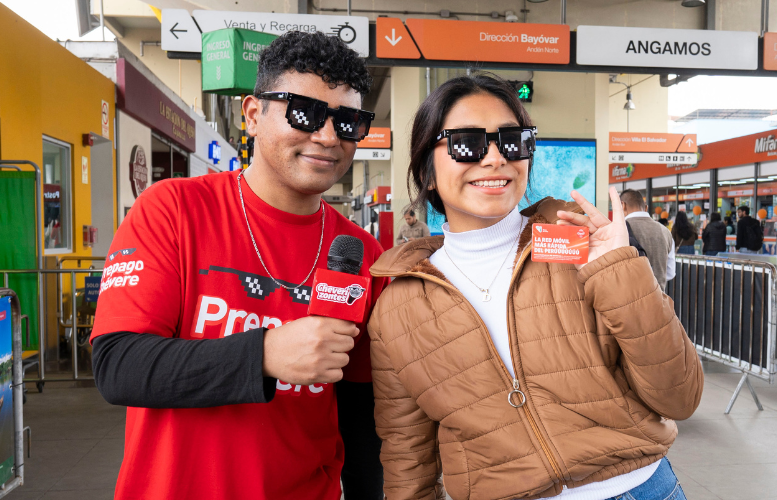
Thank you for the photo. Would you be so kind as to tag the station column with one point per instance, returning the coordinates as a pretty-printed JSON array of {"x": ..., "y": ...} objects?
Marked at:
[{"x": 407, "y": 92}]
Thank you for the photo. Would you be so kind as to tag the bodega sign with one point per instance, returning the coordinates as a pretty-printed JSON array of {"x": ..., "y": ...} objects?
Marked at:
[{"x": 666, "y": 48}]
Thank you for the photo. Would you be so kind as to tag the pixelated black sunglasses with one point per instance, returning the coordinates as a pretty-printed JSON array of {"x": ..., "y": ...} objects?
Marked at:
[
  {"x": 308, "y": 114},
  {"x": 471, "y": 144}
]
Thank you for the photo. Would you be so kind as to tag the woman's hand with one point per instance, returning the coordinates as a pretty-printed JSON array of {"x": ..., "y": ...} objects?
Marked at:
[{"x": 605, "y": 235}]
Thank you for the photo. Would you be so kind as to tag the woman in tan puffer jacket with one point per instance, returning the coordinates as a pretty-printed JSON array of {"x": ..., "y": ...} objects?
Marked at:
[{"x": 513, "y": 378}]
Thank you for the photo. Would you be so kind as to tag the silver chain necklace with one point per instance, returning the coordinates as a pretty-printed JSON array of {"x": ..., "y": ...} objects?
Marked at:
[
  {"x": 484, "y": 291},
  {"x": 318, "y": 252}
]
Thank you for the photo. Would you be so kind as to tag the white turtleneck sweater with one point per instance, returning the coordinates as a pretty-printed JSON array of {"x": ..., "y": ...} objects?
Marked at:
[{"x": 483, "y": 255}]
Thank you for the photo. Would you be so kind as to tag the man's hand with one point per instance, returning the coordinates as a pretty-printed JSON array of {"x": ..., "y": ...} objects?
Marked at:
[{"x": 310, "y": 350}]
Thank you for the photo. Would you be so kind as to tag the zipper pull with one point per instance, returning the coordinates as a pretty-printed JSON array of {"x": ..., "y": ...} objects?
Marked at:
[{"x": 516, "y": 390}]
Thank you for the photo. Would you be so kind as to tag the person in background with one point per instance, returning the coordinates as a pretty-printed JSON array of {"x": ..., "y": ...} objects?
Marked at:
[
  {"x": 750, "y": 234},
  {"x": 654, "y": 239},
  {"x": 664, "y": 222},
  {"x": 684, "y": 234},
  {"x": 412, "y": 229},
  {"x": 714, "y": 236},
  {"x": 729, "y": 226}
]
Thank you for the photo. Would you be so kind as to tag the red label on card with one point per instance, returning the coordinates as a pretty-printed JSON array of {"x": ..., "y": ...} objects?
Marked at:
[{"x": 562, "y": 244}]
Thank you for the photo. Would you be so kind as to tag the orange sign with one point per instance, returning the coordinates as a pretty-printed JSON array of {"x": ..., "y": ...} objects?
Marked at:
[
  {"x": 740, "y": 150},
  {"x": 493, "y": 42},
  {"x": 652, "y": 143},
  {"x": 770, "y": 51},
  {"x": 392, "y": 41},
  {"x": 378, "y": 138},
  {"x": 620, "y": 172}
]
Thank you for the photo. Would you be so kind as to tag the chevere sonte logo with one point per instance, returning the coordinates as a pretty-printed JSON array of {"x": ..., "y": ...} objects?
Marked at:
[{"x": 343, "y": 295}]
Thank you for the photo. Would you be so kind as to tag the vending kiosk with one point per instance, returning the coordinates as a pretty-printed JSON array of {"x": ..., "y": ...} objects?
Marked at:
[{"x": 379, "y": 201}]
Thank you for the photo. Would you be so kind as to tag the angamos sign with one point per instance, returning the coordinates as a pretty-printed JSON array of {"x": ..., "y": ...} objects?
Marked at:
[{"x": 667, "y": 48}]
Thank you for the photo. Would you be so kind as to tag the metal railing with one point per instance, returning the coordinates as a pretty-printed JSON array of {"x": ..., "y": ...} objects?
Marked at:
[
  {"x": 42, "y": 335},
  {"x": 728, "y": 308},
  {"x": 18, "y": 395}
]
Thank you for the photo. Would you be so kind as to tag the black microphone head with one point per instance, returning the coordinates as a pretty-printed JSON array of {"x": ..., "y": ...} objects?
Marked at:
[{"x": 345, "y": 255}]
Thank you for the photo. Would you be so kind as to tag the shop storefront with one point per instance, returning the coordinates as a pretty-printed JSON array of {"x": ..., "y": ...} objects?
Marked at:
[{"x": 156, "y": 135}]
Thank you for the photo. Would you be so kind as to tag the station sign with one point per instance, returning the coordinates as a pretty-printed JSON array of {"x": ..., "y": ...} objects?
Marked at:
[
  {"x": 182, "y": 32},
  {"x": 760, "y": 147},
  {"x": 446, "y": 40},
  {"x": 376, "y": 146},
  {"x": 667, "y": 48},
  {"x": 652, "y": 143},
  {"x": 620, "y": 172},
  {"x": 770, "y": 51},
  {"x": 665, "y": 158}
]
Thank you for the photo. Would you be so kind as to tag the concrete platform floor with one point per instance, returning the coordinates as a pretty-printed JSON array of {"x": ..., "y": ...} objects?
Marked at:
[{"x": 77, "y": 444}]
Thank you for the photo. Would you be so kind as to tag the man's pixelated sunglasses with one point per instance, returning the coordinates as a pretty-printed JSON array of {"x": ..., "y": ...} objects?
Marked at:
[
  {"x": 471, "y": 144},
  {"x": 308, "y": 114}
]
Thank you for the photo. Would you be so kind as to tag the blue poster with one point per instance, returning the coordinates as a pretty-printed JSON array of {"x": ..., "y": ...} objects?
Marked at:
[
  {"x": 434, "y": 220},
  {"x": 92, "y": 285},
  {"x": 561, "y": 165},
  {"x": 6, "y": 396}
]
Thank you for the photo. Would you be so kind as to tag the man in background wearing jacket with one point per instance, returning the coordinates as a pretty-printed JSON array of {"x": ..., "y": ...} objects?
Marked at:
[
  {"x": 654, "y": 237},
  {"x": 750, "y": 235},
  {"x": 714, "y": 236}
]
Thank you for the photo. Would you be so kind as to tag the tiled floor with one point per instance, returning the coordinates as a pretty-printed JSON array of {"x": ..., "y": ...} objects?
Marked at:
[{"x": 77, "y": 444}]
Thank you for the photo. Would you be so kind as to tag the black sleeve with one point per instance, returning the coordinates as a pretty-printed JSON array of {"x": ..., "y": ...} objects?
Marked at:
[
  {"x": 362, "y": 474},
  {"x": 149, "y": 371},
  {"x": 740, "y": 237}
]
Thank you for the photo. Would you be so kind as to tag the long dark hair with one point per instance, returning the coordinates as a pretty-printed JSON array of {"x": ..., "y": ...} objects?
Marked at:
[
  {"x": 430, "y": 118},
  {"x": 682, "y": 227}
]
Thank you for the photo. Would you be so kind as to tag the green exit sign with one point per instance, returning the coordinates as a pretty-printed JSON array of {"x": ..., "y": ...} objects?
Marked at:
[{"x": 525, "y": 90}]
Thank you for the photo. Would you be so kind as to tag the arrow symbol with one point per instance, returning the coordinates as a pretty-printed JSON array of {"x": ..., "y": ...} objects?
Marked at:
[
  {"x": 689, "y": 142},
  {"x": 393, "y": 40},
  {"x": 174, "y": 31}
]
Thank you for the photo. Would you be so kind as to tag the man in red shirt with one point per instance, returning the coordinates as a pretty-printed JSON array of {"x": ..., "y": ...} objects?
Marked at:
[{"x": 202, "y": 326}]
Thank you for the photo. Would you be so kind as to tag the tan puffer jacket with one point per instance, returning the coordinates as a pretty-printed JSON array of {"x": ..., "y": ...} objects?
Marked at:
[{"x": 599, "y": 354}]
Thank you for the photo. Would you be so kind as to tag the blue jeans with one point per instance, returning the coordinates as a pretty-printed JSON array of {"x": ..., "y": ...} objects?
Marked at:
[
  {"x": 686, "y": 249},
  {"x": 711, "y": 253},
  {"x": 662, "y": 485}
]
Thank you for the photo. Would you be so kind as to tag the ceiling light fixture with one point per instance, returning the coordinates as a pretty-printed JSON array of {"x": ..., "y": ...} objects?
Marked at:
[
  {"x": 693, "y": 3},
  {"x": 629, "y": 106}
]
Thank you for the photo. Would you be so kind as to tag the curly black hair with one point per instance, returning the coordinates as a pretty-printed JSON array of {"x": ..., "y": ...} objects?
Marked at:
[{"x": 327, "y": 56}]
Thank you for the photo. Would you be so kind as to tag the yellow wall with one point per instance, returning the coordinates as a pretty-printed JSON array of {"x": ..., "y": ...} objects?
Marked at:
[{"x": 46, "y": 90}]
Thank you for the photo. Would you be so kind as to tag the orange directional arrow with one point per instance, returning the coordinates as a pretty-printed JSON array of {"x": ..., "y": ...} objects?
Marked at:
[
  {"x": 392, "y": 40},
  {"x": 688, "y": 144}
]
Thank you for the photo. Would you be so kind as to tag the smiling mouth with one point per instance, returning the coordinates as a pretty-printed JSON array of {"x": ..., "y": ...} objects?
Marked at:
[{"x": 491, "y": 184}]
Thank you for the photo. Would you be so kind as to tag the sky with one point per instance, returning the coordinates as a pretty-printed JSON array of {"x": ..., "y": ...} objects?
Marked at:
[
  {"x": 57, "y": 19},
  {"x": 722, "y": 92}
]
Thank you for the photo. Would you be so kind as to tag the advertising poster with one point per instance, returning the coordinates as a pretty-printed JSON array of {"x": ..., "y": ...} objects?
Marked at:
[
  {"x": 561, "y": 165},
  {"x": 6, "y": 397}
]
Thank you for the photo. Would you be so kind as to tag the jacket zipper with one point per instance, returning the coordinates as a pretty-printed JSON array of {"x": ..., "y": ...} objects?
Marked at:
[{"x": 514, "y": 380}]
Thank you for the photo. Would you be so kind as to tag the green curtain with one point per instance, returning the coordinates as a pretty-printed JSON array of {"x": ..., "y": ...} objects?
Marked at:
[{"x": 17, "y": 243}]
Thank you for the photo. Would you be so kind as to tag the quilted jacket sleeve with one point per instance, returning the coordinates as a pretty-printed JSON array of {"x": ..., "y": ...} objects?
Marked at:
[
  {"x": 659, "y": 360},
  {"x": 409, "y": 453}
]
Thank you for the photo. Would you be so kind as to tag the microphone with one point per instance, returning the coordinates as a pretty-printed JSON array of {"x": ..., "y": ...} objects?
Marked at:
[{"x": 339, "y": 291}]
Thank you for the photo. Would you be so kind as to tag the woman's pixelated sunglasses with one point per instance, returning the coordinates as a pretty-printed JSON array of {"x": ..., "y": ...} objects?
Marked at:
[
  {"x": 471, "y": 144},
  {"x": 308, "y": 114}
]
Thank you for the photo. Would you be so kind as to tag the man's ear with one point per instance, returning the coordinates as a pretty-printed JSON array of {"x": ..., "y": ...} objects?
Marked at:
[{"x": 252, "y": 109}]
